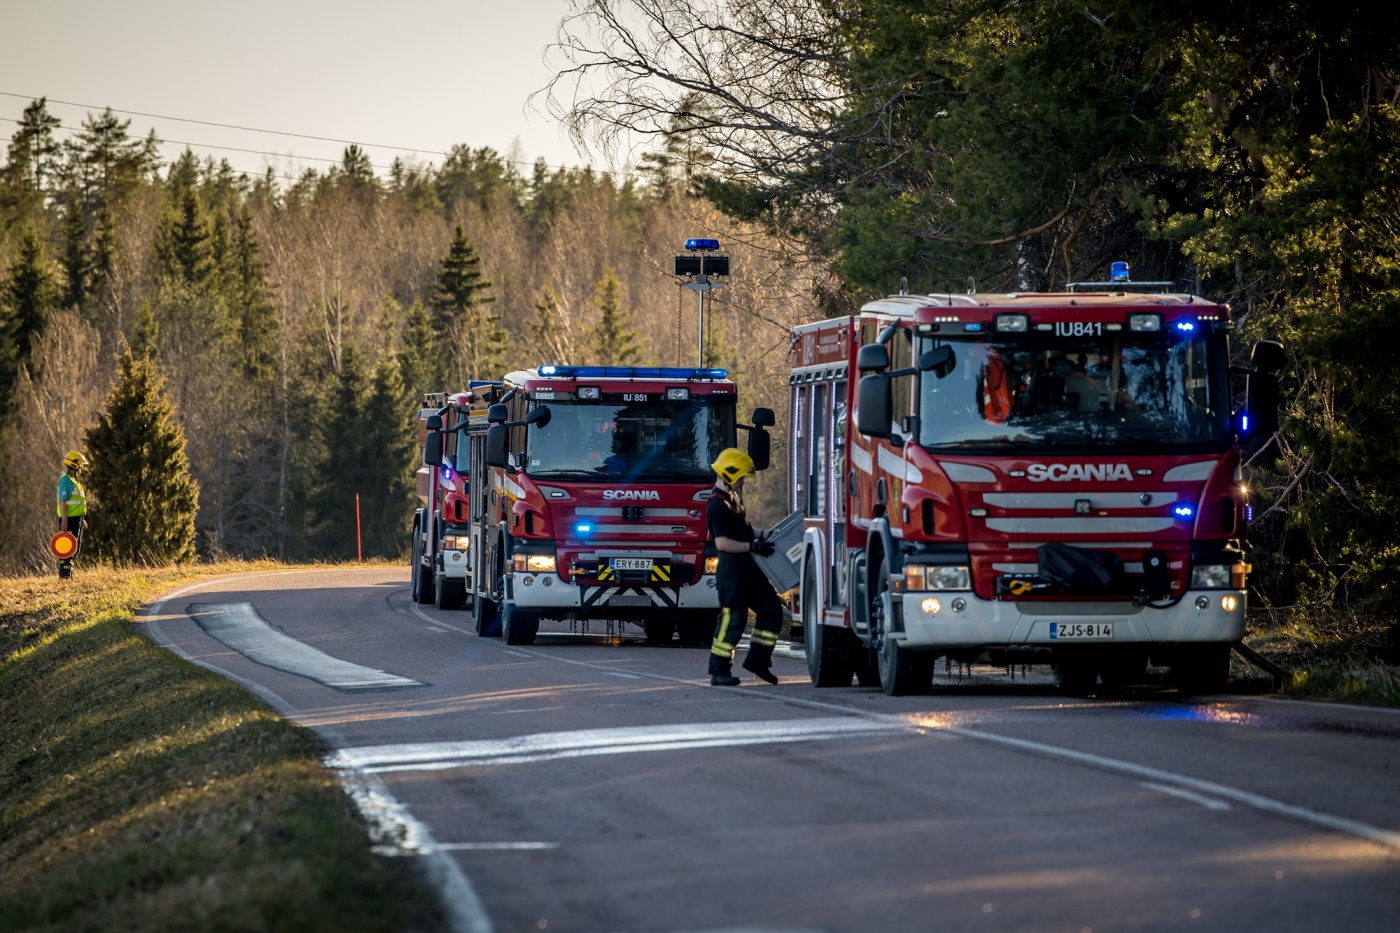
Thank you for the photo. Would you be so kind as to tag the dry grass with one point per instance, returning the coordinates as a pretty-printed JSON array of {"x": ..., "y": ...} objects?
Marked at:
[
  {"x": 1332, "y": 655},
  {"x": 140, "y": 792}
]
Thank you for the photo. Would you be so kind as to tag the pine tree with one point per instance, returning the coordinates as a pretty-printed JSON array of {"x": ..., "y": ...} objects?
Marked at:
[
  {"x": 77, "y": 256},
  {"x": 29, "y": 293},
  {"x": 144, "y": 497},
  {"x": 615, "y": 337},
  {"x": 548, "y": 333},
  {"x": 256, "y": 318},
  {"x": 387, "y": 438},
  {"x": 31, "y": 162},
  {"x": 461, "y": 322},
  {"x": 422, "y": 366},
  {"x": 145, "y": 337},
  {"x": 183, "y": 244}
]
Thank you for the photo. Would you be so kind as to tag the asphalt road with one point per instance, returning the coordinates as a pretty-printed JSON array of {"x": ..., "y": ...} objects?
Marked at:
[{"x": 593, "y": 783}]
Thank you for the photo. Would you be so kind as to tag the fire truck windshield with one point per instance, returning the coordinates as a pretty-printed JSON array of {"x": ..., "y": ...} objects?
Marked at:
[
  {"x": 618, "y": 439},
  {"x": 1114, "y": 390}
]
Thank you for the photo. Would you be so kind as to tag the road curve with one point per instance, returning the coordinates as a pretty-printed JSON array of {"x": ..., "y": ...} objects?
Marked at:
[{"x": 592, "y": 783}]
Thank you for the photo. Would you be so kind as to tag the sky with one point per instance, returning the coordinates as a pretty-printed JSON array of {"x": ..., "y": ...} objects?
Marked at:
[{"x": 412, "y": 75}]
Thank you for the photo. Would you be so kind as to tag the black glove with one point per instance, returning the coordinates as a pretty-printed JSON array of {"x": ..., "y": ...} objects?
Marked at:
[{"x": 761, "y": 547}]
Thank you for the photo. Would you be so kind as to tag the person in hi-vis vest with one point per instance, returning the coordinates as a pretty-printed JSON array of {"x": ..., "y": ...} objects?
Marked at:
[{"x": 72, "y": 504}]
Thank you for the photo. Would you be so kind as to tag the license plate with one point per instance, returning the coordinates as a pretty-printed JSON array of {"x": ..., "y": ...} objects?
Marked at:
[
  {"x": 1080, "y": 631},
  {"x": 630, "y": 563}
]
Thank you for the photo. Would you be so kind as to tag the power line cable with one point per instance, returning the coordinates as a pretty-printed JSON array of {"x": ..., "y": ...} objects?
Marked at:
[{"x": 254, "y": 129}]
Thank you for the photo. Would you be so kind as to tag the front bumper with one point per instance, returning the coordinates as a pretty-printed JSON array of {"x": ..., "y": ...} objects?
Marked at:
[
  {"x": 1029, "y": 622},
  {"x": 549, "y": 591},
  {"x": 453, "y": 564}
]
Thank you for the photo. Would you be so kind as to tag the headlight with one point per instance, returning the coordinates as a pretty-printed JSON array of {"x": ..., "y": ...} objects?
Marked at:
[
  {"x": 532, "y": 563},
  {"x": 456, "y": 542},
  {"x": 712, "y": 565},
  {"x": 927, "y": 577},
  {"x": 1219, "y": 576}
]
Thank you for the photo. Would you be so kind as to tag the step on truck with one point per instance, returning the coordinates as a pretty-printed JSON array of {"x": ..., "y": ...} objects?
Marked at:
[
  {"x": 587, "y": 497},
  {"x": 1025, "y": 478},
  {"x": 440, "y": 545}
]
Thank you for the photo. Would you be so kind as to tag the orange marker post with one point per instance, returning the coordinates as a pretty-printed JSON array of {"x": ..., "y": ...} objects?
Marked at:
[{"x": 359, "y": 551}]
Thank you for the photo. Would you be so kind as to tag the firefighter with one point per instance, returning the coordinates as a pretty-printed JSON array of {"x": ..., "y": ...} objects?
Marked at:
[
  {"x": 72, "y": 504},
  {"x": 742, "y": 586}
]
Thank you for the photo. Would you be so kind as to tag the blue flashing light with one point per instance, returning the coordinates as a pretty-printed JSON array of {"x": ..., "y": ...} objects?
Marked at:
[
  {"x": 698, "y": 244},
  {"x": 1118, "y": 272},
  {"x": 632, "y": 372},
  {"x": 447, "y": 472},
  {"x": 1244, "y": 423},
  {"x": 1186, "y": 326},
  {"x": 1184, "y": 511},
  {"x": 972, "y": 328},
  {"x": 582, "y": 529}
]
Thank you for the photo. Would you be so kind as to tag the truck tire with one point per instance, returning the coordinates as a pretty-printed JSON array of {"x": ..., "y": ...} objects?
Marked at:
[
  {"x": 659, "y": 631},
  {"x": 1201, "y": 669},
  {"x": 421, "y": 581},
  {"x": 696, "y": 627},
  {"x": 902, "y": 672},
  {"x": 486, "y": 616},
  {"x": 830, "y": 651},
  {"x": 519, "y": 626},
  {"x": 450, "y": 593}
]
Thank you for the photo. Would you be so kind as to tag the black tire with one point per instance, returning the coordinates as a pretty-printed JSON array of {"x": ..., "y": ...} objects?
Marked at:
[
  {"x": 902, "y": 672},
  {"x": 659, "y": 631},
  {"x": 1076, "y": 676},
  {"x": 422, "y": 583},
  {"x": 450, "y": 593},
  {"x": 696, "y": 627},
  {"x": 486, "y": 617},
  {"x": 1120, "y": 669},
  {"x": 519, "y": 626},
  {"x": 1201, "y": 669},
  {"x": 830, "y": 650}
]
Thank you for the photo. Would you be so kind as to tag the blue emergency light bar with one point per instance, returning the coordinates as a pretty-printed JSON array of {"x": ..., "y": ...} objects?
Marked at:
[
  {"x": 1118, "y": 272},
  {"x": 631, "y": 372},
  {"x": 695, "y": 244}
]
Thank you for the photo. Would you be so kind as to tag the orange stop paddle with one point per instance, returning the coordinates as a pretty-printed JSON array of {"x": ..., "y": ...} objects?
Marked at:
[{"x": 63, "y": 545}]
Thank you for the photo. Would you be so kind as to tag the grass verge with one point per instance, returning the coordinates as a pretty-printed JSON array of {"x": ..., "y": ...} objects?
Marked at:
[
  {"x": 141, "y": 792},
  {"x": 1332, "y": 655}
]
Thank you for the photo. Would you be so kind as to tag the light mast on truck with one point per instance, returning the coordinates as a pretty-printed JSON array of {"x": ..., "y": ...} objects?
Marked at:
[{"x": 1029, "y": 478}]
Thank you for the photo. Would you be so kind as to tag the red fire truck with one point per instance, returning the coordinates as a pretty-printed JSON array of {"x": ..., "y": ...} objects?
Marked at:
[
  {"x": 441, "y": 528},
  {"x": 1024, "y": 478},
  {"x": 587, "y": 497}
]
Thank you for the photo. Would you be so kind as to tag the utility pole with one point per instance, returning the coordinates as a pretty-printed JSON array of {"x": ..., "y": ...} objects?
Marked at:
[{"x": 701, "y": 264}]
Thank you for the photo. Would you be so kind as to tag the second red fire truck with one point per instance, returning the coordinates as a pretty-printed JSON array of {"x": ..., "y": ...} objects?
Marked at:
[
  {"x": 579, "y": 492},
  {"x": 1024, "y": 478}
]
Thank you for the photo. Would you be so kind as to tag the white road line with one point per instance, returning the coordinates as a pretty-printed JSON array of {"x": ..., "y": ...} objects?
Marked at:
[
  {"x": 413, "y": 608},
  {"x": 1209, "y": 803},
  {"x": 620, "y": 674},
  {"x": 239, "y": 626},
  {"x": 548, "y": 746}
]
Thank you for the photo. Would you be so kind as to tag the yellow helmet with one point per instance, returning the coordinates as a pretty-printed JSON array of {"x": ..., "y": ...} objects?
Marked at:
[
  {"x": 75, "y": 460},
  {"x": 732, "y": 465}
]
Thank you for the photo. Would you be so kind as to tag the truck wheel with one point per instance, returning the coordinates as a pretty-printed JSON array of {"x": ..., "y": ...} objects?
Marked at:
[
  {"x": 902, "y": 672},
  {"x": 829, "y": 650},
  {"x": 696, "y": 627},
  {"x": 1076, "y": 677},
  {"x": 659, "y": 631},
  {"x": 519, "y": 626},
  {"x": 422, "y": 579},
  {"x": 486, "y": 616},
  {"x": 450, "y": 593},
  {"x": 1201, "y": 669}
]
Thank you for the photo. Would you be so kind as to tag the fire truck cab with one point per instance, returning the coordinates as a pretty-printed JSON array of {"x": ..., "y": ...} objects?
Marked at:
[{"x": 1024, "y": 478}]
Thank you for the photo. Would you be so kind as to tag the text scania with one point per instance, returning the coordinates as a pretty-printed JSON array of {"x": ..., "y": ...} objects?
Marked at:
[
  {"x": 1074, "y": 472},
  {"x": 641, "y": 495}
]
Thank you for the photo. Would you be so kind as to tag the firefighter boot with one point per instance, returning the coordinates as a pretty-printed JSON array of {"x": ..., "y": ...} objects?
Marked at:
[
  {"x": 720, "y": 674},
  {"x": 759, "y": 661}
]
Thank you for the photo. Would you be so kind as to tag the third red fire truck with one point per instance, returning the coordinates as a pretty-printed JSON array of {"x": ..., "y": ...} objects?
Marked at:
[{"x": 1024, "y": 478}]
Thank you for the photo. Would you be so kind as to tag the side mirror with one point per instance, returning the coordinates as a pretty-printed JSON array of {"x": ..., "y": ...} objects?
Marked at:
[
  {"x": 432, "y": 448},
  {"x": 873, "y": 357},
  {"x": 539, "y": 416},
  {"x": 496, "y": 446},
  {"x": 1260, "y": 405},
  {"x": 874, "y": 403},
  {"x": 497, "y": 413},
  {"x": 939, "y": 361},
  {"x": 764, "y": 418},
  {"x": 435, "y": 422},
  {"x": 760, "y": 447},
  {"x": 1267, "y": 356}
]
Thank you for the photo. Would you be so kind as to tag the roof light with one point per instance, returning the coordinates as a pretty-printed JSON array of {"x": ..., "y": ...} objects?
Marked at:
[
  {"x": 1144, "y": 322},
  {"x": 1012, "y": 323},
  {"x": 632, "y": 372},
  {"x": 695, "y": 245},
  {"x": 548, "y": 370},
  {"x": 1118, "y": 272}
]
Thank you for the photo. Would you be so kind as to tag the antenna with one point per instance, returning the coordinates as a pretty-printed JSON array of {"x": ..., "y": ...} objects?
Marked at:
[{"x": 903, "y": 285}]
